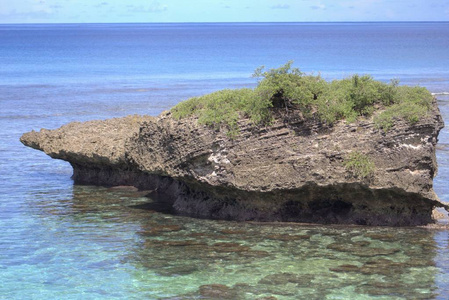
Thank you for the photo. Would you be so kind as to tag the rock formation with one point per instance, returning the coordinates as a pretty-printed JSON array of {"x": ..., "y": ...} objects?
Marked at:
[{"x": 293, "y": 170}]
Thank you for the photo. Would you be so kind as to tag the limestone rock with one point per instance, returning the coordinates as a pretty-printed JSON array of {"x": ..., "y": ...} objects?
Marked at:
[{"x": 292, "y": 170}]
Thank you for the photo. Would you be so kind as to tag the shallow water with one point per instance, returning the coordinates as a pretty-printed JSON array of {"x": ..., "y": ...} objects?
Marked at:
[
  {"x": 440, "y": 182},
  {"x": 60, "y": 241},
  {"x": 105, "y": 236}
]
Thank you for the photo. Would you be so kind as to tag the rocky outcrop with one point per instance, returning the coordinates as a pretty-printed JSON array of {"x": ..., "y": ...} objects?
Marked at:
[{"x": 292, "y": 170}]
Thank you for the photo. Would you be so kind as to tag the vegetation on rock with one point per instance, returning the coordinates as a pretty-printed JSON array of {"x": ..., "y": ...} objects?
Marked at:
[
  {"x": 309, "y": 96},
  {"x": 359, "y": 164}
]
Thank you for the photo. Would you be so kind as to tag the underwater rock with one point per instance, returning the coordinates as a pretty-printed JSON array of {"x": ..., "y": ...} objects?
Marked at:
[
  {"x": 385, "y": 237},
  {"x": 371, "y": 252},
  {"x": 184, "y": 243},
  {"x": 288, "y": 237},
  {"x": 232, "y": 231},
  {"x": 303, "y": 280},
  {"x": 395, "y": 290},
  {"x": 255, "y": 253},
  {"x": 345, "y": 268},
  {"x": 361, "y": 249},
  {"x": 292, "y": 170},
  {"x": 178, "y": 270},
  {"x": 157, "y": 229},
  {"x": 383, "y": 267},
  {"x": 217, "y": 291},
  {"x": 229, "y": 247}
]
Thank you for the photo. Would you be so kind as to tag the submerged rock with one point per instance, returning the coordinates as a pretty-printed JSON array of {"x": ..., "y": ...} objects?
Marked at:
[
  {"x": 293, "y": 170},
  {"x": 288, "y": 237},
  {"x": 217, "y": 291},
  {"x": 345, "y": 268},
  {"x": 302, "y": 280}
]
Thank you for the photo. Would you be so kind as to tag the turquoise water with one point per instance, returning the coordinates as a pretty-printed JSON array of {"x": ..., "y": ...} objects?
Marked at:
[
  {"x": 93, "y": 242},
  {"x": 60, "y": 241}
]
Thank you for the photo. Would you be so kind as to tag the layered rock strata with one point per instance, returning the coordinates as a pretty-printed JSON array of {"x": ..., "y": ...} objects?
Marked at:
[{"x": 292, "y": 170}]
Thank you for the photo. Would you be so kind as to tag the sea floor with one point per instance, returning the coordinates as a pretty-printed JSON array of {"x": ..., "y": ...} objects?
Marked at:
[{"x": 110, "y": 244}]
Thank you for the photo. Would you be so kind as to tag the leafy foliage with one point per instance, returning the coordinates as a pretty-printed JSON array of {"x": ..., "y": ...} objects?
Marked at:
[
  {"x": 311, "y": 96},
  {"x": 359, "y": 164},
  {"x": 286, "y": 87},
  {"x": 411, "y": 104},
  {"x": 222, "y": 108}
]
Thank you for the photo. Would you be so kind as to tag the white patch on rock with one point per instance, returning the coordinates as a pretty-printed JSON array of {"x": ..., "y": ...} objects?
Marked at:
[
  {"x": 417, "y": 172},
  {"x": 409, "y": 146},
  {"x": 218, "y": 158}
]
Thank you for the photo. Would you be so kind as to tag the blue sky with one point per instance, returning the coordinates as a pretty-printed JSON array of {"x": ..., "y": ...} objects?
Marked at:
[{"x": 112, "y": 11}]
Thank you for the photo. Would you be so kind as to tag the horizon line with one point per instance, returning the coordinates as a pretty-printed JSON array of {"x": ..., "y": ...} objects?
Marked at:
[{"x": 224, "y": 22}]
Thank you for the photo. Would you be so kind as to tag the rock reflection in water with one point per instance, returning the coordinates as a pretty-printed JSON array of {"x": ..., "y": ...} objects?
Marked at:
[{"x": 175, "y": 257}]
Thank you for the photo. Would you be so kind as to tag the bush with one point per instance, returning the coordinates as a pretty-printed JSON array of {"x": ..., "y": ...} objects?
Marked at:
[
  {"x": 359, "y": 164},
  {"x": 287, "y": 87},
  {"x": 290, "y": 89},
  {"x": 411, "y": 104},
  {"x": 221, "y": 108}
]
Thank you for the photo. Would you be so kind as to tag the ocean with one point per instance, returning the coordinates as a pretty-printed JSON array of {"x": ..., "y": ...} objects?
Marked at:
[{"x": 64, "y": 241}]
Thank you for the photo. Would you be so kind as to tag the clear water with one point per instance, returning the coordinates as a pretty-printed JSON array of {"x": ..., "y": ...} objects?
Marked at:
[{"x": 60, "y": 241}]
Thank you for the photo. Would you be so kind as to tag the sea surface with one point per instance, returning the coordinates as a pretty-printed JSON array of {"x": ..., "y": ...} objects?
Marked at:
[{"x": 63, "y": 241}]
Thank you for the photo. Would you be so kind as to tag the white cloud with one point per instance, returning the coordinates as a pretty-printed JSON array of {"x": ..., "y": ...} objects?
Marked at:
[
  {"x": 102, "y": 4},
  {"x": 154, "y": 7},
  {"x": 281, "y": 6},
  {"x": 361, "y": 4},
  {"x": 36, "y": 11},
  {"x": 24, "y": 6},
  {"x": 26, "y": 11},
  {"x": 319, "y": 6}
]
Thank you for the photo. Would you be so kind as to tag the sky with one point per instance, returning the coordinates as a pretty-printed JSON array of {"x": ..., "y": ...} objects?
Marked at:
[{"x": 131, "y": 11}]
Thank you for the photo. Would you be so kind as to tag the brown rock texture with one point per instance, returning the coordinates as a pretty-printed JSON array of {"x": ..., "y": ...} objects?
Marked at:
[{"x": 292, "y": 170}]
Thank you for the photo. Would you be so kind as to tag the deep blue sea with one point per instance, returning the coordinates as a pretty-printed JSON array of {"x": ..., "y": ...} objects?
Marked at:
[{"x": 63, "y": 241}]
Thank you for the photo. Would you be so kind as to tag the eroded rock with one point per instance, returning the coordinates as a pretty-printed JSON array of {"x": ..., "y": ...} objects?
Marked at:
[{"x": 293, "y": 170}]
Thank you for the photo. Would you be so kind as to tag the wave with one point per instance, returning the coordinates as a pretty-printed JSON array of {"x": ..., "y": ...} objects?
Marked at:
[{"x": 440, "y": 94}]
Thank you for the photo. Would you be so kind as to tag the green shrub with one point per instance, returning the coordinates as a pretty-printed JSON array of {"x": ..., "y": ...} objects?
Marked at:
[
  {"x": 363, "y": 93},
  {"x": 411, "y": 104},
  {"x": 335, "y": 103},
  {"x": 290, "y": 89},
  {"x": 359, "y": 164},
  {"x": 389, "y": 92},
  {"x": 221, "y": 108}
]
